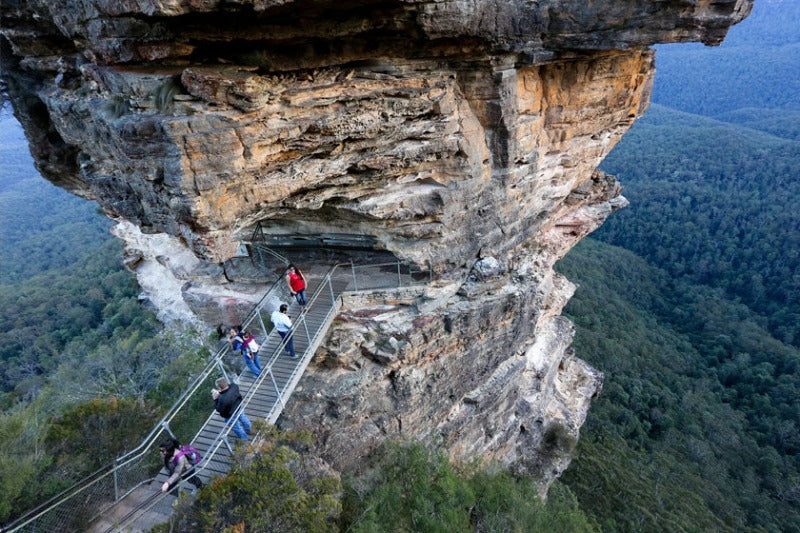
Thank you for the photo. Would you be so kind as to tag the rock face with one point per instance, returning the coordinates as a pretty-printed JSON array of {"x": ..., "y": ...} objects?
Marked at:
[{"x": 462, "y": 135}]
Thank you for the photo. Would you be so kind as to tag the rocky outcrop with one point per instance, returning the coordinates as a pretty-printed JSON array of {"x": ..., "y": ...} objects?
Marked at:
[
  {"x": 481, "y": 366},
  {"x": 461, "y": 135}
]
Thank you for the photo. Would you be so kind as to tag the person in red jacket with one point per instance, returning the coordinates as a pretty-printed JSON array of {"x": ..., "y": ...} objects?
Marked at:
[{"x": 297, "y": 284}]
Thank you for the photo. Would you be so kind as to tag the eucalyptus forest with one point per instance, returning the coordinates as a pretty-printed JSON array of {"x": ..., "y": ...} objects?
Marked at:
[{"x": 688, "y": 301}]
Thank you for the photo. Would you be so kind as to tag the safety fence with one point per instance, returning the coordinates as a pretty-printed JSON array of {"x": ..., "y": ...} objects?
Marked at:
[
  {"x": 261, "y": 254},
  {"x": 269, "y": 384},
  {"x": 80, "y": 504},
  {"x": 91, "y": 500}
]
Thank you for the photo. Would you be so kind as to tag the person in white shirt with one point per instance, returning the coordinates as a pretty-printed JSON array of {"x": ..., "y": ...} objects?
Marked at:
[{"x": 283, "y": 325}]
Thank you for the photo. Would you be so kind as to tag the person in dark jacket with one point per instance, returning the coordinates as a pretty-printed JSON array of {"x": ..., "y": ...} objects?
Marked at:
[
  {"x": 181, "y": 468},
  {"x": 226, "y": 400}
]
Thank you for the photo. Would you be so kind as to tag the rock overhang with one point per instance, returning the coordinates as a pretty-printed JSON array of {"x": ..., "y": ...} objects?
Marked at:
[
  {"x": 447, "y": 130},
  {"x": 394, "y": 119}
]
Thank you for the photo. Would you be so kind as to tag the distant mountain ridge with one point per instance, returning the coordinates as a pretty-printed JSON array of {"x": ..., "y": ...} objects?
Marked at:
[
  {"x": 709, "y": 168},
  {"x": 757, "y": 66}
]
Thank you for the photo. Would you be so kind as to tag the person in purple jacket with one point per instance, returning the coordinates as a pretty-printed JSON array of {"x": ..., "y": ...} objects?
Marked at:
[{"x": 178, "y": 468}]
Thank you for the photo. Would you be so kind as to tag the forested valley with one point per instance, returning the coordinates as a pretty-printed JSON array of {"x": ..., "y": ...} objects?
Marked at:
[
  {"x": 696, "y": 428},
  {"x": 688, "y": 301},
  {"x": 81, "y": 360}
]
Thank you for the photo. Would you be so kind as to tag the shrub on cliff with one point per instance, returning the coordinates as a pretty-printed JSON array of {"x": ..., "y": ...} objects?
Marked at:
[
  {"x": 506, "y": 503},
  {"x": 271, "y": 487},
  {"x": 409, "y": 488},
  {"x": 91, "y": 434},
  {"x": 41, "y": 455}
]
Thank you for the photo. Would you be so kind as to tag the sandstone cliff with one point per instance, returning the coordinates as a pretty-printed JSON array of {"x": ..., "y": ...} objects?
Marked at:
[{"x": 462, "y": 135}]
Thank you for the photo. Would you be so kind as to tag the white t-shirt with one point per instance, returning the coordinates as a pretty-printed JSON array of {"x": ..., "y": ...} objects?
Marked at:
[{"x": 282, "y": 322}]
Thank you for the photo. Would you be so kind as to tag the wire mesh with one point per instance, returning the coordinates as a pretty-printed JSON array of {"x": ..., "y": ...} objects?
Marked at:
[
  {"x": 77, "y": 507},
  {"x": 387, "y": 276}
]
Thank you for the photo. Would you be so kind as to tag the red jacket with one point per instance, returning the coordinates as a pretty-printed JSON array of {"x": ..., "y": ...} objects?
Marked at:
[{"x": 296, "y": 282}]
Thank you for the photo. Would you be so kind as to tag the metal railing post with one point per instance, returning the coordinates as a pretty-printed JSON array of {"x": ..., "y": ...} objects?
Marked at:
[
  {"x": 308, "y": 337},
  {"x": 222, "y": 369},
  {"x": 165, "y": 425},
  {"x": 330, "y": 287},
  {"x": 116, "y": 481},
  {"x": 261, "y": 321},
  {"x": 275, "y": 384},
  {"x": 353, "y": 269}
]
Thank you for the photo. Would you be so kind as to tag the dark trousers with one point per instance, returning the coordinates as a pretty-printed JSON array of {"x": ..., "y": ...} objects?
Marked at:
[
  {"x": 194, "y": 480},
  {"x": 289, "y": 343}
]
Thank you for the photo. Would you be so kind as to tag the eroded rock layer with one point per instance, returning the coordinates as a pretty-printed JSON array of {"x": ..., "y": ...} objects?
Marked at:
[{"x": 462, "y": 136}]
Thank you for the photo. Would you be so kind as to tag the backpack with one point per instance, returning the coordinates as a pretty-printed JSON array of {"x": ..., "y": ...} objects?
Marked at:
[
  {"x": 237, "y": 343},
  {"x": 252, "y": 344},
  {"x": 191, "y": 453}
]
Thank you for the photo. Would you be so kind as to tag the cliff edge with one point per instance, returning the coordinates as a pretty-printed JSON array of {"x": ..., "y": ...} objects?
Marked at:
[{"x": 462, "y": 136}]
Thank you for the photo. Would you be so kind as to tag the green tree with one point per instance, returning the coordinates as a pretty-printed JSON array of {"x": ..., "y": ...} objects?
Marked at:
[
  {"x": 91, "y": 434},
  {"x": 407, "y": 487},
  {"x": 271, "y": 487}
]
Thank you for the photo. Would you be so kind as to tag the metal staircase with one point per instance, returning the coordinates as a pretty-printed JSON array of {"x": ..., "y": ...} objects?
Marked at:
[{"x": 125, "y": 495}]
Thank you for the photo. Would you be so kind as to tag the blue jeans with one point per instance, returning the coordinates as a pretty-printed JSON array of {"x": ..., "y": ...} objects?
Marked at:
[
  {"x": 253, "y": 364},
  {"x": 241, "y": 426},
  {"x": 300, "y": 296},
  {"x": 289, "y": 343}
]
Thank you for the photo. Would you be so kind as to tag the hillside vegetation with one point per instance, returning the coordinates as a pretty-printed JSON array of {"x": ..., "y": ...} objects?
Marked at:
[
  {"x": 709, "y": 205},
  {"x": 82, "y": 363},
  {"x": 697, "y": 426},
  {"x": 695, "y": 323}
]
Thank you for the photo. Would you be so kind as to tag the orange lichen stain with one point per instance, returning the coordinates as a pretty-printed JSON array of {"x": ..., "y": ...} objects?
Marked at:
[
  {"x": 285, "y": 156},
  {"x": 529, "y": 91}
]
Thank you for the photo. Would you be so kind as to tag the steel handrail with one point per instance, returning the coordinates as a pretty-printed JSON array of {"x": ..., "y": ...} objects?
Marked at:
[
  {"x": 213, "y": 362},
  {"x": 397, "y": 263},
  {"x": 274, "y": 357},
  {"x": 262, "y": 246},
  {"x": 222, "y": 436},
  {"x": 137, "y": 452},
  {"x": 300, "y": 365}
]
